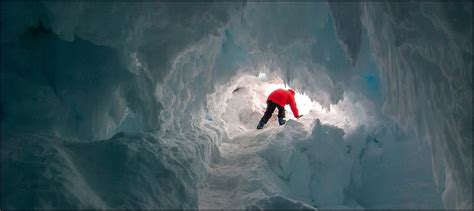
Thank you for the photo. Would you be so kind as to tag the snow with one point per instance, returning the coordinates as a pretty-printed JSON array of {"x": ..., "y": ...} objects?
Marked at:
[
  {"x": 98, "y": 174},
  {"x": 155, "y": 104},
  {"x": 310, "y": 160}
]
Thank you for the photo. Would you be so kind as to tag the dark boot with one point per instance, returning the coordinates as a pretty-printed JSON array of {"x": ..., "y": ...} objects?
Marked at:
[
  {"x": 260, "y": 125},
  {"x": 281, "y": 121}
]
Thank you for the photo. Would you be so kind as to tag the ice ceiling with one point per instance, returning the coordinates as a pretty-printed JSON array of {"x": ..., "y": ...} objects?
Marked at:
[{"x": 154, "y": 105}]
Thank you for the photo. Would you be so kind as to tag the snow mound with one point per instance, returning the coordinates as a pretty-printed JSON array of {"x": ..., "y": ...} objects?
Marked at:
[{"x": 113, "y": 173}]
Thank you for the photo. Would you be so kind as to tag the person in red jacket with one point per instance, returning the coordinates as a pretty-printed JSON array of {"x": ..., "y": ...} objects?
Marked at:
[{"x": 278, "y": 99}]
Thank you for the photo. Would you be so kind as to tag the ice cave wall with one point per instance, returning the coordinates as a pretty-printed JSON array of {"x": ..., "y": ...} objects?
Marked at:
[
  {"x": 424, "y": 51},
  {"x": 74, "y": 74},
  {"x": 151, "y": 58},
  {"x": 148, "y": 43}
]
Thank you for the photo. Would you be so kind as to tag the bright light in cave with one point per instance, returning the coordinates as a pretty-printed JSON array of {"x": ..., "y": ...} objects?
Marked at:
[
  {"x": 305, "y": 104},
  {"x": 344, "y": 115},
  {"x": 244, "y": 100}
]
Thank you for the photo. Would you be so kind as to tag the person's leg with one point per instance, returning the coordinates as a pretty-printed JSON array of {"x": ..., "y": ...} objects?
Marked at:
[
  {"x": 281, "y": 115},
  {"x": 268, "y": 114},
  {"x": 281, "y": 112}
]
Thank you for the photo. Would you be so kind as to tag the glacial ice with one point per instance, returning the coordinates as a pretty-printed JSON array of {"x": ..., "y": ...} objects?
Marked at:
[
  {"x": 424, "y": 52},
  {"x": 154, "y": 105}
]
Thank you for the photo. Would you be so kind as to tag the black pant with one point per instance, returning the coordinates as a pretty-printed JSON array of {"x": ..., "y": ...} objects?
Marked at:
[{"x": 270, "y": 108}]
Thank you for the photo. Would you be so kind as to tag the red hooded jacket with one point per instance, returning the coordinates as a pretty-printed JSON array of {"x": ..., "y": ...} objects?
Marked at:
[{"x": 283, "y": 97}]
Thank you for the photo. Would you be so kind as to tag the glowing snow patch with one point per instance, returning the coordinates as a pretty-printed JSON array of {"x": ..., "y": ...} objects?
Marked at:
[
  {"x": 240, "y": 104},
  {"x": 262, "y": 76}
]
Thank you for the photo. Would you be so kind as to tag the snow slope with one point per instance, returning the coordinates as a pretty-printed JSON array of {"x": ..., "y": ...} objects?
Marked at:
[
  {"x": 311, "y": 161},
  {"x": 289, "y": 167}
]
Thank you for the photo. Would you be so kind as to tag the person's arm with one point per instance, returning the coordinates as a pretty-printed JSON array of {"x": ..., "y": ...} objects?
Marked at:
[{"x": 293, "y": 107}]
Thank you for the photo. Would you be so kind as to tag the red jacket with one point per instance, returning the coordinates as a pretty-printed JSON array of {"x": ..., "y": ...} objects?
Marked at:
[{"x": 283, "y": 97}]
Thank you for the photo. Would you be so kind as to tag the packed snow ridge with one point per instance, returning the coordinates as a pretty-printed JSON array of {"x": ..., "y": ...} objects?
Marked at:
[{"x": 155, "y": 104}]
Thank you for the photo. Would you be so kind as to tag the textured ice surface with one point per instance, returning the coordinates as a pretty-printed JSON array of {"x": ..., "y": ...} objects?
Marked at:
[
  {"x": 128, "y": 170},
  {"x": 323, "y": 167},
  {"x": 348, "y": 27},
  {"x": 132, "y": 105},
  {"x": 424, "y": 52}
]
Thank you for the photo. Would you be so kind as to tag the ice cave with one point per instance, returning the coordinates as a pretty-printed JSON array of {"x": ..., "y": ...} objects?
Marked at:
[{"x": 143, "y": 105}]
